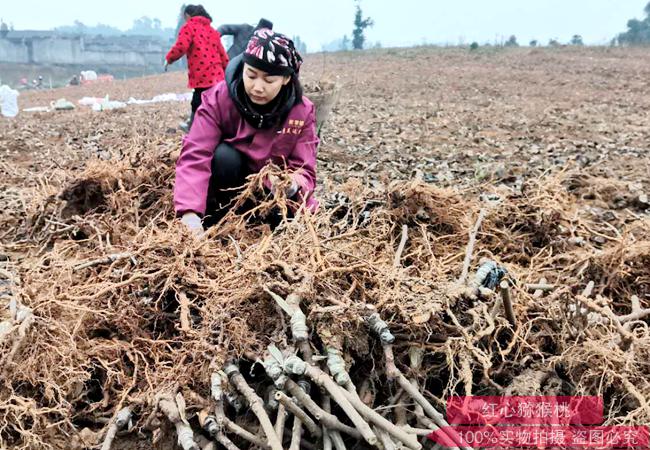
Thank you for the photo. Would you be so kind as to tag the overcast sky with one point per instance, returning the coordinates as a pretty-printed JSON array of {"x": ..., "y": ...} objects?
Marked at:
[{"x": 397, "y": 22}]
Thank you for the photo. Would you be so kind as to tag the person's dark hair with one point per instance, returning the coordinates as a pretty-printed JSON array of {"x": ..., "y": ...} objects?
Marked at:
[
  {"x": 197, "y": 10},
  {"x": 264, "y": 23},
  {"x": 297, "y": 87}
]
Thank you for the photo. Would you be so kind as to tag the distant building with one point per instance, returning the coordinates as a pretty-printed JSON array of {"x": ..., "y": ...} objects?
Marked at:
[{"x": 53, "y": 47}]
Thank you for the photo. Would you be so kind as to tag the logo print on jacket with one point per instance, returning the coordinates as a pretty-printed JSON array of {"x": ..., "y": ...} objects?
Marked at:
[{"x": 295, "y": 127}]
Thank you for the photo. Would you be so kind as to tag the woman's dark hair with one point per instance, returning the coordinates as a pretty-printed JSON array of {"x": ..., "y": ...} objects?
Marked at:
[
  {"x": 197, "y": 10},
  {"x": 297, "y": 88}
]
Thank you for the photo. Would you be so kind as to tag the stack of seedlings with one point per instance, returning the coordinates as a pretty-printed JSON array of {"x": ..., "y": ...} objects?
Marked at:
[{"x": 344, "y": 329}]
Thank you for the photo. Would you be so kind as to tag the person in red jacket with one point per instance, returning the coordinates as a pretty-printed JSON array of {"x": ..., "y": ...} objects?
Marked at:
[{"x": 206, "y": 57}]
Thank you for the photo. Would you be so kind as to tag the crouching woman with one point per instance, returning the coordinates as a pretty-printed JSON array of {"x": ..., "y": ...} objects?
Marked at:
[{"x": 255, "y": 117}]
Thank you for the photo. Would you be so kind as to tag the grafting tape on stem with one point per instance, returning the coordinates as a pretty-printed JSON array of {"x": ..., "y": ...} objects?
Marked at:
[
  {"x": 416, "y": 356},
  {"x": 123, "y": 418},
  {"x": 336, "y": 365},
  {"x": 275, "y": 371},
  {"x": 298, "y": 320},
  {"x": 294, "y": 365},
  {"x": 489, "y": 275},
  {"x": 108, "y": 259},
  {"x": 299, "y": 329},
  {"x": 211, "y": 426},
  {"x": 186, "y": 438},
  {"x": 24, "y": 318},
  {"x": 216, "y": 389},
  {"x": 305, "y": 386},
  {"x": 236, "y": 401},
  {"x": 380, "y": 327},
  {"x": 231, "y": 369},
  {"x": 174, "y": 409},
  {"x": 18, "y": 311}
]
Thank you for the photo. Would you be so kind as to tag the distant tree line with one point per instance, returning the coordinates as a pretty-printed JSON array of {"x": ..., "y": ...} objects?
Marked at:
[
  {"x": 638, "y": 31},
  {"x": 576, "y": 40},
  {"x": 143, "y": 26},
  {"x": 300, "y": 45}
]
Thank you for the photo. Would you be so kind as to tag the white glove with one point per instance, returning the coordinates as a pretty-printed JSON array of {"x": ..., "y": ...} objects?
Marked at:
[
  {"x": 193, "y": 222},
  {"x": 166, "y": 65},
  {"x": 293, "y": 189},
  {"x": 290, "y": 191}
]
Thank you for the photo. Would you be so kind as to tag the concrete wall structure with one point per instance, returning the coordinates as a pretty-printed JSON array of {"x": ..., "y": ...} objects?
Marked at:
[
  {"x": 51, "y": 48},
  {"x": 13, "y": 52}
]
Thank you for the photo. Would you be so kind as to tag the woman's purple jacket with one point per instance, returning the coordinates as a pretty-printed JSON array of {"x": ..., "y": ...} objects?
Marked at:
[{"x": 292, "y": 145}]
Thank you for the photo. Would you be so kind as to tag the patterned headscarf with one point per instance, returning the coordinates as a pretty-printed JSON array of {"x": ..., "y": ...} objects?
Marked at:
[{"x": 272, "y": 52}]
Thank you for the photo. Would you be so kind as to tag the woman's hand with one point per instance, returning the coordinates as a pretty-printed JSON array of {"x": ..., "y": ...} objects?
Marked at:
[{"x": 193, "y": 222}]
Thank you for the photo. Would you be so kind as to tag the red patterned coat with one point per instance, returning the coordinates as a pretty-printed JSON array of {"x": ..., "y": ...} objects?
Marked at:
[{"x": 206, "y": 57}]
